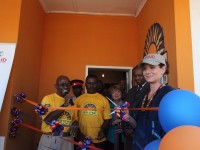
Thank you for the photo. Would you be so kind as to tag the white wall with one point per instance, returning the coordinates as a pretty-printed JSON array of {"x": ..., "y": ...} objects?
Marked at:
[{"x": 195, "y": 30}]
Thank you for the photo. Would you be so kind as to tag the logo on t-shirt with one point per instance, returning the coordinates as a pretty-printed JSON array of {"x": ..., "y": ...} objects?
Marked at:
[
  {"x": 48, "y": 105},
  {"x": 90, "y": 112},
  {"x": 65, "y": 119}
]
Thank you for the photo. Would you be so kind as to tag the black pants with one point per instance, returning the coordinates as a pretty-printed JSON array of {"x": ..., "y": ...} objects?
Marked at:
[
  {"x": 110, "y": 146},
  {"x": 100, "y": 145}
]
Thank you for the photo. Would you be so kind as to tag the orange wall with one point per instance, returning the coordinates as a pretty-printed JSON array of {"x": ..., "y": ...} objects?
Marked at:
[
  {"x": 73, "y": 41},
  {"x": 185, "y": 77},
  {"x": 9, "y": 18},
  {"x": 25, "y": 71},
  {"x": 160, "y": 11}
]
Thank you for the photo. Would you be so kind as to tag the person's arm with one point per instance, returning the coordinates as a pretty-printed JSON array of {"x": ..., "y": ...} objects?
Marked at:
[
  {"x": 54, "y": 115},
  {"x": 129, "y": 119},
  {"x": 74, "y": 128},
  {"x": 132, "y": 121},
  {"x": 115, "y": 122},
  {"x": 104, "y": 126}
]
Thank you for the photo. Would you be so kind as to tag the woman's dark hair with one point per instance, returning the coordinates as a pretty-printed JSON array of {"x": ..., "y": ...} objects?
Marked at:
[{"x": 167, "y": 67}]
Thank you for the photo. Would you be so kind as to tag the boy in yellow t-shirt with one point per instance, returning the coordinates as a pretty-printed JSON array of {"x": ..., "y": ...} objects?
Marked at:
[{"x": 93, "y": 123}]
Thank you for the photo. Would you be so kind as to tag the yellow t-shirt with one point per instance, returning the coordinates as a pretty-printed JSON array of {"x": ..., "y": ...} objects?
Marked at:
[
  {"x": 90, "y": 121},
  {"x": 66, "y": 119}
]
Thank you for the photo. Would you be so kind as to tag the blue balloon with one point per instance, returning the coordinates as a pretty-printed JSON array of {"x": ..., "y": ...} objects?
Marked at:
[
  {"x": 179, "y": 107},
  {"x": 153, "y": 145}
]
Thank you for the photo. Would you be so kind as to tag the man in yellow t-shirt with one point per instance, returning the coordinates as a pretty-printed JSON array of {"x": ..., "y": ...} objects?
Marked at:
[
  {"x": 93, "y": 123},
  {"x": 65, "y": 117}
]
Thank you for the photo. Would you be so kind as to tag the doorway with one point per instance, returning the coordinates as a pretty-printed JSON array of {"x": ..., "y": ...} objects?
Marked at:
[{"x": 110, "y": 75}]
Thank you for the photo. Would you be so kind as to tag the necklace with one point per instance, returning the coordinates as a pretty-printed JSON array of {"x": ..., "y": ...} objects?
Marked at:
[{"x": 150, "y": 99}]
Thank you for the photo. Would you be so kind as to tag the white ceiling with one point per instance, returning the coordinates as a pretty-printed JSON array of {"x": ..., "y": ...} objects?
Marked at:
[{"x": 96, "y": 7}]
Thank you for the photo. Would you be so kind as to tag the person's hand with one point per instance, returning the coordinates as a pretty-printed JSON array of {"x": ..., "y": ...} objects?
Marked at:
[
  {"x": 67, "y": 100},
  {"x": 83, "y": 140},
  {"x": 68, "y": 96},
  {"x": 66, "y": 103},
  {"x": 128, "y": 132},
  {"x": 126, "y": 116},
  {"x": 129, "y": 119},
  {"x": 101, "y": 134},
  {"x": 116, "y": 122},
  {"x": 74, "y": 129},
  {"x": 80, "y": 136},
  {"x": 119, "y": 130}
]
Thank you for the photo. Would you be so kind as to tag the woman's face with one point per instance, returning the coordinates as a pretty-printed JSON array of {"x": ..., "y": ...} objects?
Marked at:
[
  {"x": 116, "y": 94},
  {"x": 153, "y": 74}
]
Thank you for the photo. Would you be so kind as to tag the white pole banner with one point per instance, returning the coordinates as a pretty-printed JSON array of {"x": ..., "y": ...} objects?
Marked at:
[
  {"x": 7, "y": 52},
  {"x": 2, "y": 139}
]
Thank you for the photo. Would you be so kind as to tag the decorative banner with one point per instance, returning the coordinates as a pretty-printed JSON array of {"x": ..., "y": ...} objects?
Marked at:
[
  {"x": 7, "y": 51},
  {"x": 154, "y": 43}
]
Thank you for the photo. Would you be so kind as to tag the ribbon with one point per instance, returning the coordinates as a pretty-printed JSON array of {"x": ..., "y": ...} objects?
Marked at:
[
  {"x": 21, "y": 97},
  {"x": 71, "y": 141},
  {"x": 15, "y": 112},
  {"x": 15, "y": 122},
  {"x": 120, "y": 111},
  {"x": 14, "y": 127},
  {"x": 40, "y": 109},
  {"x": 86, "y": 143},
  {"x": 56, "y": 127}
]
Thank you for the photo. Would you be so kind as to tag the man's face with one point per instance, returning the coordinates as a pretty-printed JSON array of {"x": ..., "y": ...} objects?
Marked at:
[
  {"x": 63, "y": 86},
  {"x": 138, "y": 76},
  {"x": 122, "y": 84},
  {"x": 77, "y": 90},
  {"x": 91, "y": 85}
]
